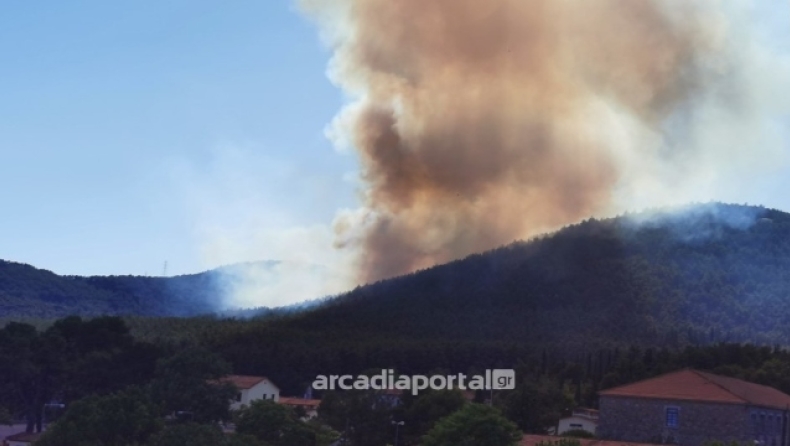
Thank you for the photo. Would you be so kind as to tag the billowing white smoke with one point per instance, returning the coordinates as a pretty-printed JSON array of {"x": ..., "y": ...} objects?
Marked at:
[{"x": 479, "y": 122}]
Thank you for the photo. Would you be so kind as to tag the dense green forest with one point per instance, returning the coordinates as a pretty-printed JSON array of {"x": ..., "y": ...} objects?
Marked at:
[
  {"x": 27, "y": 292},
  {"x": 117, "y": 389},
  {"x": 713, "y": 273},
  {"x": 696, "y": 276},
  {"x": 710, "y": 272},
  {"x": 597, "y": 304}
]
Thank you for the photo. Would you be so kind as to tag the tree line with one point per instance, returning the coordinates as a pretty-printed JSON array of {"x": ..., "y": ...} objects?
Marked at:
[{"x": 149, "y": 391}]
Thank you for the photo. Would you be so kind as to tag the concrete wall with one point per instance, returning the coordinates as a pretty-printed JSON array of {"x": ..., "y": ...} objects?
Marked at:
[
  {"x": 263, "y": 390},
  {"x": 575, "y": 422},
  {"x": 644, "y": 420}
]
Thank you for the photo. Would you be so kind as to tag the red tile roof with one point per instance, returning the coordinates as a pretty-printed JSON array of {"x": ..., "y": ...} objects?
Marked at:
[
  {"x": 694, "y": 385},
  {"x": 585, "y": 413},
  {"x": 289, "y": 401},
  {"x": 532, "y": 440},
  {"x": 245, "y": 382}
]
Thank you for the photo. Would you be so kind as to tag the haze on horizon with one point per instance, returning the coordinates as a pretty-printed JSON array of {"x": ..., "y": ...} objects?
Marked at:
[{"x": 193, "y": 133}]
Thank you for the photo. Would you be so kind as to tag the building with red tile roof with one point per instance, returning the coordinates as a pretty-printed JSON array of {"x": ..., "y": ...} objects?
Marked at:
[
  {"x": 251, "y": 388},
  {"x": 690, "y": 407},
  {"x": 310, "y": 406},
  {"x": 243, "y": 382},
  {"x": 693, "y": 385}
]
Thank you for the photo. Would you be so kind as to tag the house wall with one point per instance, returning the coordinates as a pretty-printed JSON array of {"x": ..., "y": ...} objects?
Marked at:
[
  {"x": 17, "y": 443},
  {"x": 263, "y": 390},
  {"x": 571, "y": 423},
  {"x": 644, "y": 420}
]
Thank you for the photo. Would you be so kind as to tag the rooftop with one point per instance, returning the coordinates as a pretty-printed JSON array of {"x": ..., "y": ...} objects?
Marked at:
[
  {"x": 245, "y": 382},
  {"x": 693, "y": 385},
  {"x": 532, "y": 440},
  {"x": 290, "y": 401},
  {"x": 585, "y": 413}
]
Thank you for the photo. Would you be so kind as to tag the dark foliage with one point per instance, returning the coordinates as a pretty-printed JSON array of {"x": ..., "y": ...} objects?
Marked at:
[
  {"x": 707, "y": 274},
  {"x": 473, "y": 425},
  {"x": 187, "y": 385},
  {"x": 70, "y": 360},
  {"x": 274, "y": 425},
  {"x": 31, "y": 293},
  {"x": 118, "y": 419},
  {"x": 595, "y": 305}
]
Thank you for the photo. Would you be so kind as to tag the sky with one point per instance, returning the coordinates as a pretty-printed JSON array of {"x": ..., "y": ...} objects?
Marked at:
[
  {"x": 130, "y": 130},
  {"x": 152, "y": 137}
]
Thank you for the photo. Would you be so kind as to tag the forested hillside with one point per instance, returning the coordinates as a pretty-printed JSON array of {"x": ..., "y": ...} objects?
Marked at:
[
  {"x": 706, "y": 274},
  {"x": 28, "y": 292},
  {"x": 597, "y": 304},
  {"x": 709, "y": 271}
]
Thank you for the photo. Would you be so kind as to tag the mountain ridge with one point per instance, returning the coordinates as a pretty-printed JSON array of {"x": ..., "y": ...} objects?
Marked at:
[
  {"x": 696, "y": 271},
  {"x": 30, "y": 292},
  {"x": 656, "y": 270}
]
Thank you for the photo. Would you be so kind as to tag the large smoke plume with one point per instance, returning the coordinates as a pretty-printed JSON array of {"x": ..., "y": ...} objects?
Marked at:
[{"x": 478, "y": 122}]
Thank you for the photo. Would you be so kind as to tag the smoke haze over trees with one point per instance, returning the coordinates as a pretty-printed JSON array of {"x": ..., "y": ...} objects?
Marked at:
[{"x": 479, "y": 123}]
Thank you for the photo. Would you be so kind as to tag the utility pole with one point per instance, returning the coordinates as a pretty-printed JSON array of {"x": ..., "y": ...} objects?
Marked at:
[{"x": 397, "y": 424}]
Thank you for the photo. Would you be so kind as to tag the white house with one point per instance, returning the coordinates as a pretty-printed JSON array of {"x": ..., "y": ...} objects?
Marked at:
[
  {"x": 580, "y": 419},
  {"x": 252, "y": 388}
]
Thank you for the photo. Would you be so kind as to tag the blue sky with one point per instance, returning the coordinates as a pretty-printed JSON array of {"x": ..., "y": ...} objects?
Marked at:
[
  {"x": 186, "y": 131},
  {"x": 114, "y": 118}
]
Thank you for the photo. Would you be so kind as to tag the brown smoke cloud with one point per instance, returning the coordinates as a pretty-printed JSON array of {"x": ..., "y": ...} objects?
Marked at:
[{"x": 478, "y": 122}]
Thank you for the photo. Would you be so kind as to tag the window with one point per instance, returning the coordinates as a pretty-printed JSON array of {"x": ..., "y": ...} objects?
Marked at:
[
  {"x": 238, "y": 397},
  {"x": 673, "y": 416}
]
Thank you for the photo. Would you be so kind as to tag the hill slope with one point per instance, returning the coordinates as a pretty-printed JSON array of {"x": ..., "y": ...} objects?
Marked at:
[
  {"x": 29, "y": 292},
  {"x": 705, "y": 272}
]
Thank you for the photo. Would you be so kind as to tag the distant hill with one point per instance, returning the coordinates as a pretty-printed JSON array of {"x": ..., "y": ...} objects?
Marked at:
[
  {"x": 667, "y": 277},
  {"x": 702, "y": 273},
  {"x": 29, "y": 292},
  {"x": 697, "y": 275},
  {"x": 711, "y": 271}
]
